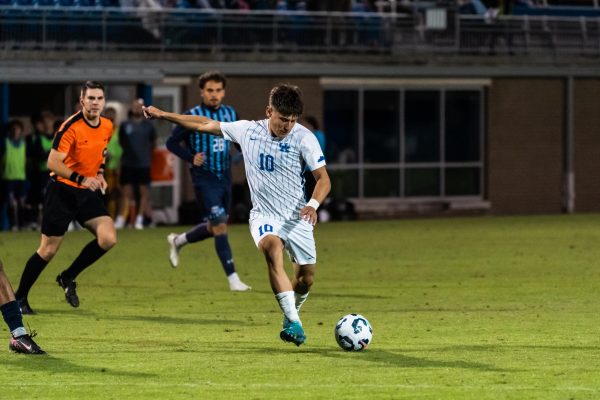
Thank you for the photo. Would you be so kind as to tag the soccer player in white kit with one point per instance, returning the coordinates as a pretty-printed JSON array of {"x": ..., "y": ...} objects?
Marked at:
[{"x": 276, "y": 151}]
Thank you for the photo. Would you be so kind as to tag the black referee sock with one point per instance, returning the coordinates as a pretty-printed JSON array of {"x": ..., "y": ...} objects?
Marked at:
[
  {"x": 34, "y": 267},
  {"x": 90, "y": 253}
]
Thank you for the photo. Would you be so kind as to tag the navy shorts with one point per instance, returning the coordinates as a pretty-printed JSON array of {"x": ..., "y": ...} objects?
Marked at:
[
  {"x": 214, "y": 196},
  {"x": 64, "y": 203}
]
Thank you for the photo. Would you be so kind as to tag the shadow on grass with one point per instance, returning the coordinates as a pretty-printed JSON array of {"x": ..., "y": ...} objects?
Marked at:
[
  {"x": 160, "y": 319},
  {"x": 170, "y": 320},
  {"x": 353, "y": 295},
  {"x": 56, "y": 365},
  {"x": 389, "y": 358},
  {"x": 497, "y": 347}
]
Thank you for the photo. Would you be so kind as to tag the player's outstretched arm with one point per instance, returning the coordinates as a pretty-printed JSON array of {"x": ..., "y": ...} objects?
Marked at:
[{"x": 191, "y": 122}]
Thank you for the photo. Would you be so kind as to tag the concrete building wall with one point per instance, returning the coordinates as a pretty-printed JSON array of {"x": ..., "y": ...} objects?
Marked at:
[
  {"x": 586, "y": 121},
  {"x": 524, "y": 145}
]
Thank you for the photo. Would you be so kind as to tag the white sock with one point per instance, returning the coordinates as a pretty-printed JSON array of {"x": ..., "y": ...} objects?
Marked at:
[
  {"x": 300, "y": 299},
  {"x": 288, "y": 306},
  {"x": 233, "y": 278},
  {"x": 181, "y": 240},
  {"x": 18, "y": 332},
  {"x": 139, "y": 219}
]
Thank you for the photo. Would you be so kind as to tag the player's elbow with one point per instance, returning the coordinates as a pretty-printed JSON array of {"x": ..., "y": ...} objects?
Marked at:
[{"x": 51, "y": 164}]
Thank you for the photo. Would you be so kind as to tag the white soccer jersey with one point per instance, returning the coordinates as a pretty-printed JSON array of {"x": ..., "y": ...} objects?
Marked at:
[{"x": 274, "y": 166}]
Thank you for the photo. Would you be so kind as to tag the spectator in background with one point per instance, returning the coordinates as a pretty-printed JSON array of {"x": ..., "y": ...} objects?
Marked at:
[
  {"x": 137, "y": 137},
  {"x": 13, "y": 163},
  {"x": 113, "y": 166},
  {"x": 312, "y": 124},
  {"x": 39, "y": 144}
]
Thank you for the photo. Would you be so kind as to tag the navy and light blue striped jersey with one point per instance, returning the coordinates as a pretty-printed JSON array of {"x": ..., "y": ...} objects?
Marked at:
[{"x": 216, "y": 149}]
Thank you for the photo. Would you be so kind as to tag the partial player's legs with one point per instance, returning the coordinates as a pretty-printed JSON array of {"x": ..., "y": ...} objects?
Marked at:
[
  {"x": 106, "y": 237},
  {"x": 20, "y": 341},
  {"x": 272, "y": 247},
  {"x": 127, "y": 204},
  {"x": 49, "y": 245},
  {"x": 203, "y": 231},
  {"x": 214, "y": 199},
  {"x": 145, "y": 208},
  {"x": 301, "y": 283}
]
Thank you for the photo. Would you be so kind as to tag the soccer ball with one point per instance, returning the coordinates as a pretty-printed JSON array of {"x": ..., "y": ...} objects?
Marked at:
[{"x": 353, "y": 332}]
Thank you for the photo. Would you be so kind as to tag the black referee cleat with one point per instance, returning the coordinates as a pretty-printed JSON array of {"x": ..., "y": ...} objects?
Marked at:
[
  {"x": 25, "y": 345},
  {"x": 25, "y": 307},
  {"x": 70, "y": 290}
]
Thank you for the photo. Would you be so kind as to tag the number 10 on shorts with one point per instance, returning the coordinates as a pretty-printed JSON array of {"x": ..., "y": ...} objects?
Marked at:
[{"x": 266, "y": 228}]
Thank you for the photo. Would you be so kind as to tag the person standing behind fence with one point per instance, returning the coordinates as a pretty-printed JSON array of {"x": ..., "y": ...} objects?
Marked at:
[
  {"x": 312, "y": 124},
  {"x": 211, "y": 175},
  {"x": 113, "y": 166},
  {"x": 14, "y": 183},
  {"x": 39, "y": 144},
  {"x": 137, "y": 137}
]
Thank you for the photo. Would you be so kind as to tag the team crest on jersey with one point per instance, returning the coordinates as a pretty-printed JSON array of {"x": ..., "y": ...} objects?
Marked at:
[{"x": 284, "y": 147}]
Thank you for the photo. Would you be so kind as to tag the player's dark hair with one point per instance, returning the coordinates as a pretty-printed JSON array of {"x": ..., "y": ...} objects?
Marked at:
[
  {"x": 215, "y": 76},
  {"x": 91, "y": 85},
  {"x": 286, "y": 99}
]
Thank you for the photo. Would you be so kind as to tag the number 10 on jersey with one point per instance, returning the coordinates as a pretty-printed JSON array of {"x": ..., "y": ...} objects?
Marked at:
[{"x": 266, "y": 162}]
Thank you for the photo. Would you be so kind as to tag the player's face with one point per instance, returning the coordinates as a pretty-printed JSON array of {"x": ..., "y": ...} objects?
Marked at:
[
  {"x": 92, "y": 103},
  {"x": 212, "y": 94},
  {"x": 280, "y": 125}
]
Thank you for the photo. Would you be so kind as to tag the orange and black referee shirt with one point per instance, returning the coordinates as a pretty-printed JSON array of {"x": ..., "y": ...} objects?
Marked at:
[{"x": 84, "y": 144}]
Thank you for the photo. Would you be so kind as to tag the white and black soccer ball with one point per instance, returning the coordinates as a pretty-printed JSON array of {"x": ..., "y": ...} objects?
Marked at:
[{"x": 353, "y": 332}]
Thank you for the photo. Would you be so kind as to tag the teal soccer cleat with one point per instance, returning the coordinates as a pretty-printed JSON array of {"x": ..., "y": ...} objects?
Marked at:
[{"x": 292, "y": 332}]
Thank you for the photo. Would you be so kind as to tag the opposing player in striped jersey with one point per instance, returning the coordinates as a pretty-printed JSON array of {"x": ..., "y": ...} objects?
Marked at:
[
  {"x": 276, "y": 151},
  {"x": 210, "y": 161}
]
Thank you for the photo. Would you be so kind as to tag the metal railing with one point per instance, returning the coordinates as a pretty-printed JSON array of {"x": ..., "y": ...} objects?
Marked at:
[{"x": 174, "y": 30}]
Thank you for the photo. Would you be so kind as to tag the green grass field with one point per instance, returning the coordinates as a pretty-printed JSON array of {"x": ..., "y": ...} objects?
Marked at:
[{"x": 469, "y": 308}]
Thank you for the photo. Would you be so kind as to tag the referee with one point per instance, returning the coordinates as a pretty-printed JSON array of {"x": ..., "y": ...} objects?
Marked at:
[{"x": 76, "y": 164}]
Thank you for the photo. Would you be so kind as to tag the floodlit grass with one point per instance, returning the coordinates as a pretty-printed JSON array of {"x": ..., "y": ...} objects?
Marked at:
[{"x": 469, "y": 308}]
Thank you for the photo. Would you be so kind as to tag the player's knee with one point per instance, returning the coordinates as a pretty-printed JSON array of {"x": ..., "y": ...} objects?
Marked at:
[
  {"x": 47, "y": 252},
  {"x": 307, "y": 279},
  {"x": 217, "y": 216},
  {"x": 271, "y": 245},
  {"x": 107, "y": 241},
  {"x": 220, "y": 229}
]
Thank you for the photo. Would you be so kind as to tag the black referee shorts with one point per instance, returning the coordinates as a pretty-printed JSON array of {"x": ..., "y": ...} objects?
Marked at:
[{"x": 64, "y": 203}]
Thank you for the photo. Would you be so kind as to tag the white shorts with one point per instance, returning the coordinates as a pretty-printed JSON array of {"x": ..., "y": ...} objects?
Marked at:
[{"x": 297, "y": 235}]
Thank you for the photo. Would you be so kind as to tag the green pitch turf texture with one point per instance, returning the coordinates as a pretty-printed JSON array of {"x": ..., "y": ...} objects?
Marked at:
[{"x": 462, "y": 308}]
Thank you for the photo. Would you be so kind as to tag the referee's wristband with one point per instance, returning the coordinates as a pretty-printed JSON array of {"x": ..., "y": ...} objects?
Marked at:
[
  {"x": 313, "y": 203},
  {"x": 75, "y": 177}
]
